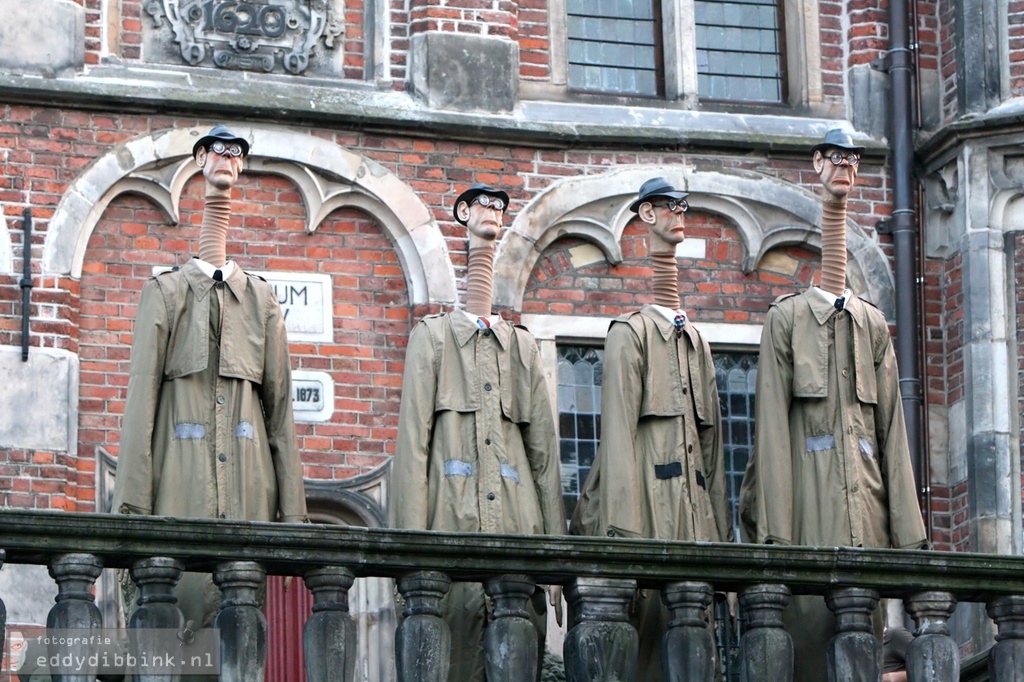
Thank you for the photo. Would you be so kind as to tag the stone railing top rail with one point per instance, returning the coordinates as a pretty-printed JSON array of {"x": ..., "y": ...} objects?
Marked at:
[{"x": 35, "y": 536}]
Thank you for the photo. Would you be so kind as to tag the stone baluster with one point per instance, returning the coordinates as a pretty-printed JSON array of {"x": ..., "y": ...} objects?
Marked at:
[
  {"x": 423, "y": 642},
  {"x": 511, "y": 643},
  {"x": 933, "y": 655},
  {"x": 243, "y": 628},
  {"x": 157, "y": 609},
  {"x": 76, "y": 610},
  {"x": 688, "y": 652},
  {"x": 1006, "y": 660},
  {"x": 766, "y": 649},
  {"x": 329, "y": 636},
  {"x": 602, "y": 645},
  {"x": 854, "y": 655}
]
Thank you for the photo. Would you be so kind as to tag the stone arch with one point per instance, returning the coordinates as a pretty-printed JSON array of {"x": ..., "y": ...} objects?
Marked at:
[
  {"x": 767, "y": 212},
  {"x": 1007, "y": 213},
  {"x": 327, "y": 177}
]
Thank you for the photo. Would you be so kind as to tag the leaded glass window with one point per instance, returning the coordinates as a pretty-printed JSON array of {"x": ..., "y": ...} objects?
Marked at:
[
  {"x": 579, "y": 416},
  {"x": 614, "y": 46},
  {"x": 580, "y": 371},
  {"x": 740, "y": 50},
  {"x": 736, "y": 376}
]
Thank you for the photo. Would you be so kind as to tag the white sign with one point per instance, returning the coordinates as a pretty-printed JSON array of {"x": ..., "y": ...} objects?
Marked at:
[
  {"x": 307, "y": 300},
  {"x": 312, "y": 396}
]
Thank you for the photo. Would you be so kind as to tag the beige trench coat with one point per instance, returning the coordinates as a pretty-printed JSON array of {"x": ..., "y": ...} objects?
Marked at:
[
  {"x": 660, "y": 468},
  {"x": 209, "y": 437},
  {"x": 831, "y": 464},
  {"x": 476, "y": 451}
]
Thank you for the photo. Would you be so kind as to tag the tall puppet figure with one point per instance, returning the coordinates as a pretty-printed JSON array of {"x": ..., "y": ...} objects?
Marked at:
[
  {"x": 208, "y": 429},
  {"x": 831, "y": 465},
  {"x": 476, "y": 449},
  {"x": 660, "y": 467}
]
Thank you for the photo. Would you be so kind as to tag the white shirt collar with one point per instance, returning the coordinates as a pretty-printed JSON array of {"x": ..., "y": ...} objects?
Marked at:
[
  {"x": 491, "y": 319},
  {"x": 208, "y": 269},
  {"x": 832, "y": 298},
  {"x": 668, "y": 313}
]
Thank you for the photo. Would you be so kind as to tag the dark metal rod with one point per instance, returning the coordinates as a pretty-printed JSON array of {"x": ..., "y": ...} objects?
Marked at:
[
  {"x": 26, "y": 280},
  {"x": 905, "y": 230}
]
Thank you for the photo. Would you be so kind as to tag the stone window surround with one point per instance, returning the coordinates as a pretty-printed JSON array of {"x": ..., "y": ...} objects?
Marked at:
[{"x": 803, "y": 52}]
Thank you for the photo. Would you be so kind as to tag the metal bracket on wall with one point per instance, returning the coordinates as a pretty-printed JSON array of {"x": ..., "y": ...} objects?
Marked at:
[
  {"x": 883, "y": 226},
  {"x": 26, "y": 280}
]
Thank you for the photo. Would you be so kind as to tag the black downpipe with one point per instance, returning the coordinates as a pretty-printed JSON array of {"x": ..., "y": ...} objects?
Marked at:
[
  {"x": 904, "y": 231},
  {"x": 26, "y": 280}
]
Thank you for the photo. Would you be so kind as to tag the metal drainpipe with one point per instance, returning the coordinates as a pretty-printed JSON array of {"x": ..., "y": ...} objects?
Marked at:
[{"x": 904, "y": 231}]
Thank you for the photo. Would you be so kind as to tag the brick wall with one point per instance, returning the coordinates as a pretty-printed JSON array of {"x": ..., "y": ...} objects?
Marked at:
[
  {"x": 534, "y": 45},
  {"x": 43, "y": 150},
  {"x": 944, "y": 387},
  {"x": 1015, "y": 25}
]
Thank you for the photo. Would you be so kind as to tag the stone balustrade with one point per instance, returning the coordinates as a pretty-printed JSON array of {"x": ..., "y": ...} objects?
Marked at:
[{"x": 601, "y": 577}]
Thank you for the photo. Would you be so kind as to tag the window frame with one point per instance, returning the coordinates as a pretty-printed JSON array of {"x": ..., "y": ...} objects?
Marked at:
[{"x": 801, "y": 56}]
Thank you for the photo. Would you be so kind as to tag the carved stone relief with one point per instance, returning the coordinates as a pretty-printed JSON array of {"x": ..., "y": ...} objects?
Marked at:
[{"x": 263, "y": 36}]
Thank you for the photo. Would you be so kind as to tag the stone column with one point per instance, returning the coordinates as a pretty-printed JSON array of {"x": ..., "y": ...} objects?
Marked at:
[
  {"x": 243, "y": 628},
  {"x": 157, "y": 608},
  {"x": 602, "y": 645},
  {"x": 511, "y": 646},
  {"x": 854, "y": 655},
  {"x": 75, "y": 609},
  {"x": 1006, "y": 660},
  {"x": 933, "y": 655},
  {"x": 329, "y": 636},
  {"x": 423, "y": 643},
  {"x": 688, "y": 652},
  {"x": 766, "y": 648}
]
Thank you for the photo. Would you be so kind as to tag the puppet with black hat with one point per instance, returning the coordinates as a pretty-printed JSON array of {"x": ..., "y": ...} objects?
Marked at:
[
  {"x": 831, "y": 465},
  {"x": 476, "y": 450},
  {"x": 208, "y": 428},
  {"x": 660, "y": 467}
]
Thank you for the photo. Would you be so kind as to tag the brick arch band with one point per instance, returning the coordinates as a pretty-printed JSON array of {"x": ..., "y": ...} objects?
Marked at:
[
  {"x": 327, "y": 178},
  {"x": 767, "y": 212}
]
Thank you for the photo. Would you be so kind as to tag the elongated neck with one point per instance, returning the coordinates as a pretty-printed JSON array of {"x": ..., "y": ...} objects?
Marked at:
[
  {"x": 480, "y": 278},
  {"x": 213, "y": 235},
  {"x": 666, "y": 279},
  {"x": 833, "y": 245}
]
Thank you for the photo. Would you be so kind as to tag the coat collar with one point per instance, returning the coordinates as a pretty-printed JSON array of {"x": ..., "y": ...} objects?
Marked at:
[
  {"x": 201, "y": 284},
  {"x": 465, "y": 327},
  {"x": 822, "y": 310},
  {"x": 667, "y": 329}
]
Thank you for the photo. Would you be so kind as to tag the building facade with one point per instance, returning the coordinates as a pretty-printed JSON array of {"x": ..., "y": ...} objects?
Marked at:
[{"x": 367, "y": 118}]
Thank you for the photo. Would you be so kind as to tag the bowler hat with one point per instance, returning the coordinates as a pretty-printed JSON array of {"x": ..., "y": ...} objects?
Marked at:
[
  {"x": 837, "y": 137},
  {"x": 219, "y": 132},
  {"x": 475, "y": 191},
  {"x": 656, "y": 187}
]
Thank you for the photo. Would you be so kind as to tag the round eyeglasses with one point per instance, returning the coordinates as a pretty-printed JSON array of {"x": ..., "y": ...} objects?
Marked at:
[
  {"x": 233, "y": 149},
  {"x": 852, "y": 159},
  {"x": 673, "y": 205},
  {"x": 490, "y": 202}
]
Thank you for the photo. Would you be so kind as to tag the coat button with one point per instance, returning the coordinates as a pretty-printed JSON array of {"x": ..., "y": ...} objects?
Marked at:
[
  {"x": 487, "y": 332},
  {"x": 846, "y": 373},
  {"x": 487, "y": 441},
  {"x": 220, "y": 400},
  {"x": 490, "y": 496},
  {"x": 685, "y": 390},
  {"x": 689, "y": 448},
  {"x": 487, "y": 387},
  {"x": 611, "y": 533},
  {"x": 222, "y": 457}
]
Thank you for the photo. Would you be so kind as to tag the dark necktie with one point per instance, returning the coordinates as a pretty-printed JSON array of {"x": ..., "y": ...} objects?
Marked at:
[
  {"x": 218, "y": 276},
  {"x": 678, "y": 321},
  {"x": 840, "y": 303}
]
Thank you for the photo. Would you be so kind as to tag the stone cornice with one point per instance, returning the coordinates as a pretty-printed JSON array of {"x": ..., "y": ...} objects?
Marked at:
[{"x": 210, "y": 93}]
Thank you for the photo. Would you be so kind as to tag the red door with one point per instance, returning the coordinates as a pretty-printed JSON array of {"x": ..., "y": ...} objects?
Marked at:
[{"x": 286, "y": 614}]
